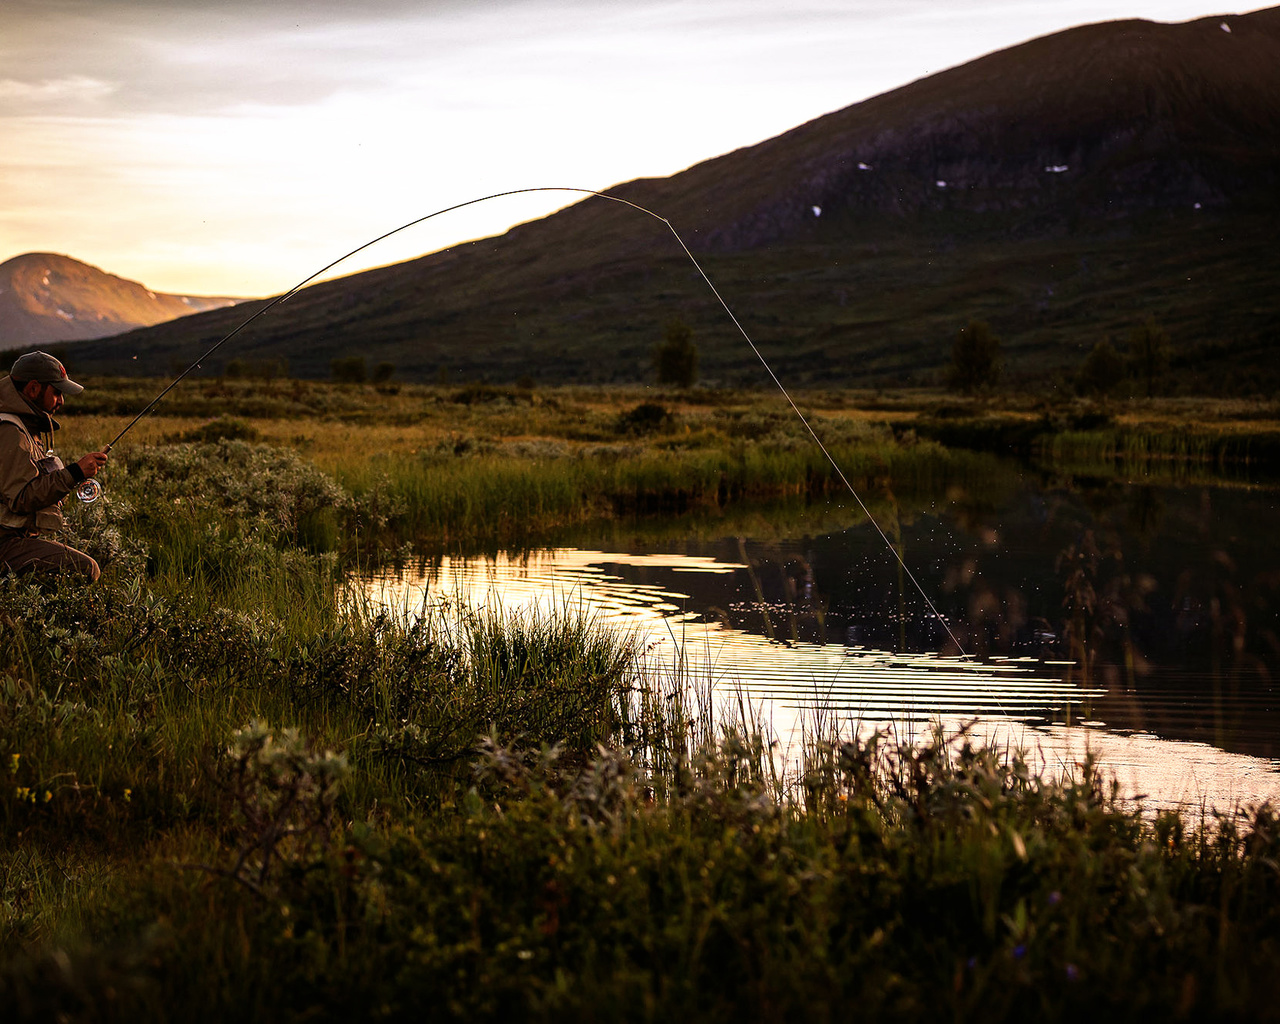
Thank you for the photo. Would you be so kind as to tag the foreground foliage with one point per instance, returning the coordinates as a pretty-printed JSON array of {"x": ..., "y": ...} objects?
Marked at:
[
  {"x": 495, "y": 817},
  {"x": 233, "y": 790}
]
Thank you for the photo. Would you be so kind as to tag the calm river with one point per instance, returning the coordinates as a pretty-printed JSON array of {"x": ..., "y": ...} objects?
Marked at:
[{"x": 1139, "y": 622}]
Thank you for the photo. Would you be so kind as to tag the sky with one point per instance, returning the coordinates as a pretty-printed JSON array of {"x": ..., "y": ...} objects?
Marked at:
[{"x": 234, "y": 147}]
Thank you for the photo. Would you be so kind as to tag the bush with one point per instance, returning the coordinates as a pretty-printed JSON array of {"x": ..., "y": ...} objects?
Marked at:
[
  {"x": 485, "y": 394},
  {"x": 676, "y": 357},
  {"x": 223, "y": 428},
  {"x": 645, "y": 418},
  {"x": 256, "y": 369},
  {"x": 1148, "y": 352},
  {"x": 975, "y": 358},
  {"x": 1102, "y": 370},
  {"x": 348, "y": 370}
]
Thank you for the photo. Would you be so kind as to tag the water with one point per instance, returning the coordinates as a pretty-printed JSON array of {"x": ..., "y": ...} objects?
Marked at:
[{"x": 1172, "y": 595}]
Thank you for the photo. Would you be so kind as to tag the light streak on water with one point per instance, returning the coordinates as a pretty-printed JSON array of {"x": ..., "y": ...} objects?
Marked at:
[{"x": 1016, "y": 703}]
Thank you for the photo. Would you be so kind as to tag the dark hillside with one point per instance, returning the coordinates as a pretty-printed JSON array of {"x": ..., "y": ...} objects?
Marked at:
[{"x": 1063, "y": 190}]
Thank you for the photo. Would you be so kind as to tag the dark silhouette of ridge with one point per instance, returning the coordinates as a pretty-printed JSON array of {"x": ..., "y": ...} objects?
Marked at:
[{"x": 1062, "y": 189}]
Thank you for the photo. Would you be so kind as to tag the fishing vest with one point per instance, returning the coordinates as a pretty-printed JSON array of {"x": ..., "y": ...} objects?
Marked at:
[{"x": 45, "y": 519}]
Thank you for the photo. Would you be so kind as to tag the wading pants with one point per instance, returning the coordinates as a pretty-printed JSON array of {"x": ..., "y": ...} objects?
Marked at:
[{"x": 19, "y": 553}]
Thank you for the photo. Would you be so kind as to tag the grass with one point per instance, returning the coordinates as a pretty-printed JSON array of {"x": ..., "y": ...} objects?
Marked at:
[
  {"x": 232, "y": 791},
  {"x": 483, "y": 818},
  {"x": 471, "y": 465},
  {"x": 479, "y": 464}
]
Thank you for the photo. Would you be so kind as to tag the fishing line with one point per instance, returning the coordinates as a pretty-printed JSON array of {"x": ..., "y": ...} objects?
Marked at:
[{"x": 92, "y": 493}]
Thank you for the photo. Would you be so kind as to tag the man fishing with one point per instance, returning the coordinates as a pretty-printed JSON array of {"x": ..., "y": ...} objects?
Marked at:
[{"x": 33, "y": 481}]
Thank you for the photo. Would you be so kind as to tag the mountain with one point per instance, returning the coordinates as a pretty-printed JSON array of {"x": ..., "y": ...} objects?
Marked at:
[
  {"x": 47, "y": 298},
  {"x": 1062, "y": 190}
]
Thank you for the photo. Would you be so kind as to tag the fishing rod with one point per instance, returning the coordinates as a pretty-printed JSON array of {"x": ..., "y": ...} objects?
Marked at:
[{"x": 90, "y": 490}]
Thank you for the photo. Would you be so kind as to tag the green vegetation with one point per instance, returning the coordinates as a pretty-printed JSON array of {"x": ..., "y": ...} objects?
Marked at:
[
  {"x": 262, "y": 369},
  {"x": 484, "y": 818},
  {"x": 1102, "y": 371},
  {"x": 487, "y": 464},
  {"x": 1149, "y": 352},
  {"x": 234, "y": 788},
  {"x": 872, "y": 307},
  {"x": 975, "y": 358},
  {"x": 429, "y": 465},
  {"x": 348, "y": 370},
  {"x": 675, "y": 358}
]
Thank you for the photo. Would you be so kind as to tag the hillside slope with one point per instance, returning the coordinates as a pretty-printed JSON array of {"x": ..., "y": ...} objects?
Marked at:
[
  {"x": 1062, "y": 189},
  {"x": 46, "y": 298}
]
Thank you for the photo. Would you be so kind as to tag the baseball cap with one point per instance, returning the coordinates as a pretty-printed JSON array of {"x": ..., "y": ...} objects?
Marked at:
[{"x": 42, "y": 367}]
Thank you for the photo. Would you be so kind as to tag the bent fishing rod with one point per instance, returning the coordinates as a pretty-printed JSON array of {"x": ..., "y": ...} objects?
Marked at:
[{"x": 91, "y": 489}]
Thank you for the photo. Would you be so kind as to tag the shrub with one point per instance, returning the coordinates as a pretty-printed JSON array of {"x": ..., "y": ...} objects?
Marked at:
[
  {"x": 484, "y": 394},
  {"x": 223, "y": 428},
  {"x": 348, "y": 370},
  {"x": 645, "y": 418},
  {"x": 259, "y": 369},
  {"x": 1148, "y": 352},
  {"x": 675, "y": 359},
  {"x": 282, "y": 790},
  {"x": 1101, "y": 371},
  {"x": 975, "y": 358}
]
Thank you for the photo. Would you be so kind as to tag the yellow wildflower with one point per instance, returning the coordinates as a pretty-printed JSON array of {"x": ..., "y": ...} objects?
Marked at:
[
  {"x": 128, "y": 794},
  {"x": 13, "y": 763}
]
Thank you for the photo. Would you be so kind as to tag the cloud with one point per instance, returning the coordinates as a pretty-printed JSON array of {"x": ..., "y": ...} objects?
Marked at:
[
  {"x": 203, "y": 56},
  {"x": 77, "y": 89}
]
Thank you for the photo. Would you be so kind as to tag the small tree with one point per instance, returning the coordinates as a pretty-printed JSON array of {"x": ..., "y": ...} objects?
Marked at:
[
  {"x": 1101, "y": 370},
  {"x": 975, "y": 358},
  {"x": 1148, "y": 352},
  {"x": 675, "y": 358},
  {"x": 257, "y": 369},
  {"x": 348, "y": 370},
  {"x": 383, "y": 372}
]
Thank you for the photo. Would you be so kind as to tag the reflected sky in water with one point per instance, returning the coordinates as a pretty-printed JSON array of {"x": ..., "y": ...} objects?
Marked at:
[{"x": 733, "y": 632}]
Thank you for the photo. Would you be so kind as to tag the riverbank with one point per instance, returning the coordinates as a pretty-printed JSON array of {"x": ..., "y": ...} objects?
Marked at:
[
  {"x": 340, "y": 816},
  {"x": 232, "y": 794},
  {"x": 480, "y": 464}
]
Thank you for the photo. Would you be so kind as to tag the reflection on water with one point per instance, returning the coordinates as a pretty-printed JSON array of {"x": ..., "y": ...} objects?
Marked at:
[{"x": 1095, "y": 633}]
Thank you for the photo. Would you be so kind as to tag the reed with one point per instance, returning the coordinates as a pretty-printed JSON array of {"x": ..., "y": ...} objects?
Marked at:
[
  {"x": 237, "y": 787},
  {"x": 524, "y": 818}
]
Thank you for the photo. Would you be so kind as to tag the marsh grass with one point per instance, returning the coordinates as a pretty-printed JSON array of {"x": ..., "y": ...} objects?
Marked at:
[
  {"x": 939, "y": 877},
  {"x": 530, "y": 820},
  {"x": 532, "y": 823},
  {"x": 1178, "y": 455},
  {"x": 480, "y": 464},
  {"x": 1175, "y": 440},
  {"x": 114, "y": 699},
  {"x": 488, "y": 474}
]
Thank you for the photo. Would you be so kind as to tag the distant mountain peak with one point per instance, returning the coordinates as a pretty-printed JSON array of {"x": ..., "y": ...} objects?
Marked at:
[{"x": 46, "y": 297}]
